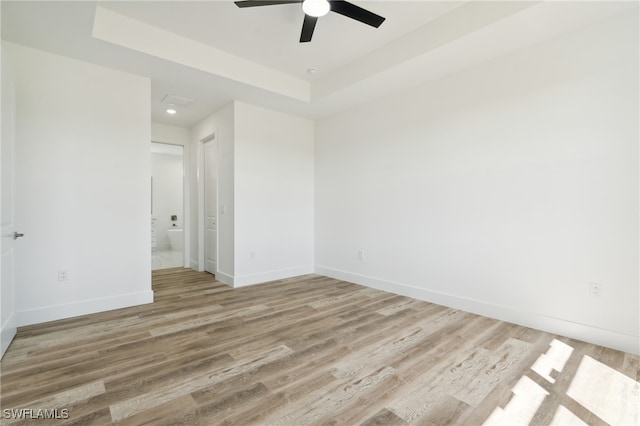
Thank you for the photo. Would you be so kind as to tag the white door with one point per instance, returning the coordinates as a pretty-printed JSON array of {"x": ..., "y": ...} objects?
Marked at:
[
  {"x": 210, "y": 208},
  {"x": 9, "y": 235}
]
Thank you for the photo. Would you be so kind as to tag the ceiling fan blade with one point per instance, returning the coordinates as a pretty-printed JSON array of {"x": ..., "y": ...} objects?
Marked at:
[
  {"x": 254, "y": 3},
  {"x": 308, "y": 26},
  {"x": 352, "y": 11}
]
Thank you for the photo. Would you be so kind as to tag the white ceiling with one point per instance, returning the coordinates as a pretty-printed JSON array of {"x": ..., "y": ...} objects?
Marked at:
[
  {"x": 269, "y": 35},
  {"x": 214, "y": 52}
]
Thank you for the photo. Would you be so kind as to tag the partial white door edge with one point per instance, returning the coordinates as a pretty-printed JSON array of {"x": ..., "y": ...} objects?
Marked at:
[
  {"x": 7, "y": 334},
  {"x": 202, "y": 226}
]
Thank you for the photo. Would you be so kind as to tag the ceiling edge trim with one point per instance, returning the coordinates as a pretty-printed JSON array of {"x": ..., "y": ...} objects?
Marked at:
[{"x": 132, "y": 34}]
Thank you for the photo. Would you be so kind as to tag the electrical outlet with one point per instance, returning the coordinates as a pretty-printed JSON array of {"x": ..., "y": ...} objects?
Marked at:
[
  {"x": 63, "y": 275},
  {"x": 360, "y": 254},
  {"x": 595, "y": 289}
]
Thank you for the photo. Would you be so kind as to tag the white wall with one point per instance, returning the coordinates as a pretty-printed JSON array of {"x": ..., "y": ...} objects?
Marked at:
[
  {"x": 173, "y": 135},
  {"x": 220, "y": 123},
  {"x": 265, "y": 193},
  {"x": 167, "y": 173},
  {"x": 82, "y": 186},
  {"x": 274, "y": 195},
  {"x": 504, "y": 189}
]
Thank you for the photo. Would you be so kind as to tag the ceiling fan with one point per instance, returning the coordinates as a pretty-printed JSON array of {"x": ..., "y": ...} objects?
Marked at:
[{"x": 313, "y": 9}]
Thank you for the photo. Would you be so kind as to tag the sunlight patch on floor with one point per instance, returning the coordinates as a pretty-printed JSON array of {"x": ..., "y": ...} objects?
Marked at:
[
  {"x": 528, "y": 395},
  {"x": 565, "y": 417},
  {"x": 603, "y": 391},
  {"x": 607, "y": 393},
  {"x": 555, "y": 359}
]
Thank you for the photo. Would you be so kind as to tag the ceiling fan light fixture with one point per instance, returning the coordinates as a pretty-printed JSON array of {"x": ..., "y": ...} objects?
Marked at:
[
  {"x": 313, "y": 9},
  {"x": 316, "y": 8}
]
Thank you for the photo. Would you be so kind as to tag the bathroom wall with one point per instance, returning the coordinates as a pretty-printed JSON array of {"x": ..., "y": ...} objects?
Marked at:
[{"x": 166, "y": 170}]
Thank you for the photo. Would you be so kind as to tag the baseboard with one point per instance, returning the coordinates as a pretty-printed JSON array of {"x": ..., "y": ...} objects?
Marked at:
[
  {"x": 224, "y": 278},
  {"x": 262, "y": 277},
  {"x": 82, "y": 307},
  {"x": 194, "y": 265},
  {"x": 586, "y": 333},
  {"x": 7, "y": 333}
]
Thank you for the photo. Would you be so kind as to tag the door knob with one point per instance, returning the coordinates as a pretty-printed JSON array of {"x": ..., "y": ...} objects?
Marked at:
[{"x": 17, "y": 235}]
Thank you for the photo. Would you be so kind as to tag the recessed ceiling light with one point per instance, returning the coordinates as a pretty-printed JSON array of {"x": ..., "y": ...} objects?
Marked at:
[{"x": 171, "y": 110}]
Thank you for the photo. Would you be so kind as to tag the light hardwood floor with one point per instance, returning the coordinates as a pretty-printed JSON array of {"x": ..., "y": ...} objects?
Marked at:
[{"x": 309, "y": 350}]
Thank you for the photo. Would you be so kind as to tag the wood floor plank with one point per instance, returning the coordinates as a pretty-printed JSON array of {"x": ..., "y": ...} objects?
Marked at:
[
  {"x": 358, "y": 410},
  {"x": 332, "y": 398},
  {"x": 297, "y": 351},
  {"x": 631, "y": 366},
  {"x": 383, "y": 417},
  {"x": 124, "y": 409}
]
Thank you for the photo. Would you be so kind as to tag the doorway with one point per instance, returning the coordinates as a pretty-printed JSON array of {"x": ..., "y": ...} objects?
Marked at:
[{"x": 167, "y": 207}]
